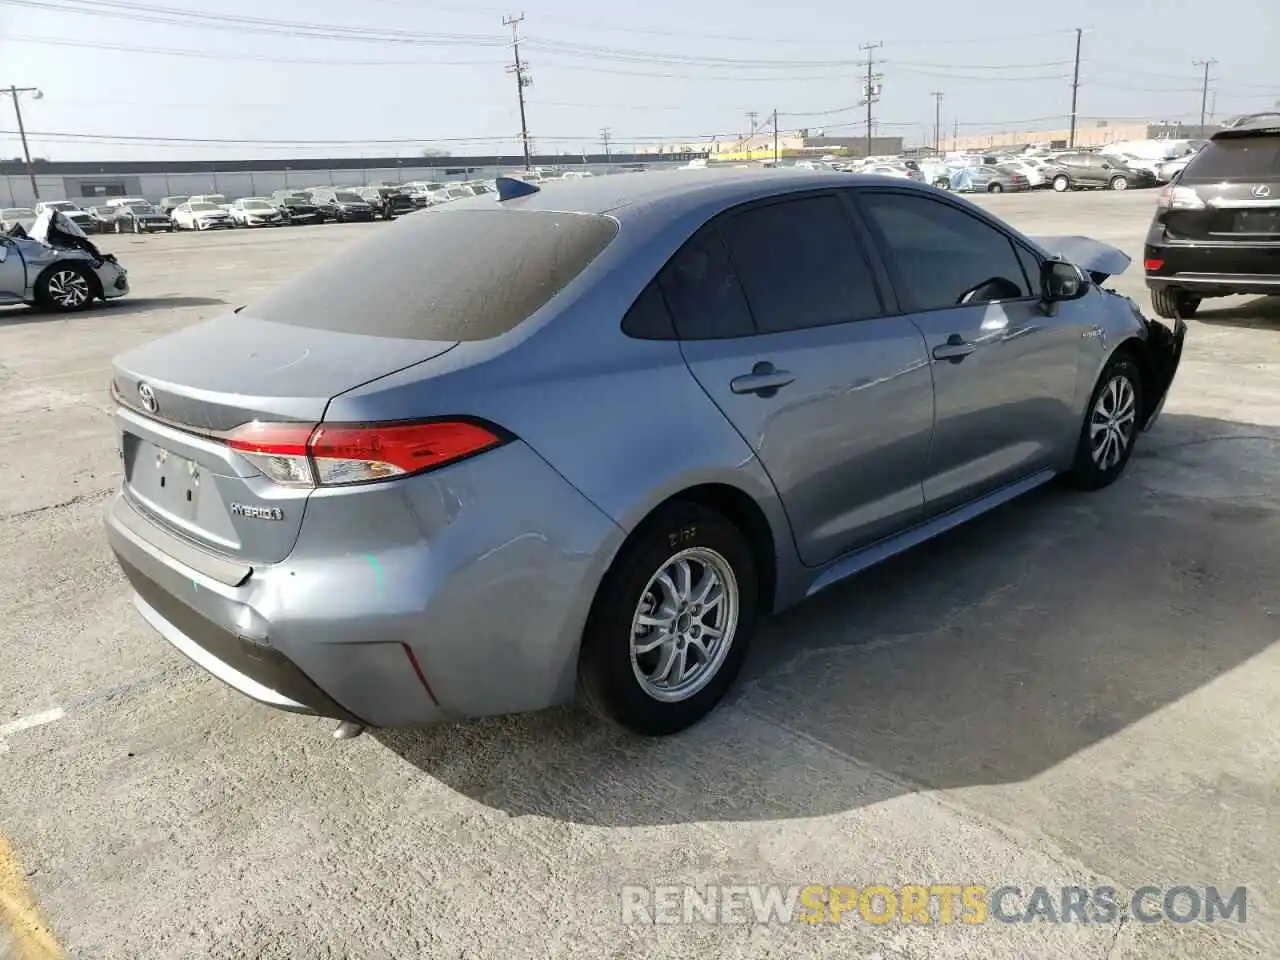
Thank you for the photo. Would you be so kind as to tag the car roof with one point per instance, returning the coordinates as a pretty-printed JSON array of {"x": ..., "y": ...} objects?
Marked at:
[{"x": 632, "y": 196}]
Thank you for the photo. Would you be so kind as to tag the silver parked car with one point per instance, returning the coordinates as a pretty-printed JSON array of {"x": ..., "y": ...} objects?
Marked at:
[
  {"x": 572, "y": 443},
  {"x": 53, "y": 265}
]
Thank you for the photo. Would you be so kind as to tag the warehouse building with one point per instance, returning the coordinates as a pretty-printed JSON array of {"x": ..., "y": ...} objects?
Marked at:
[{"x": 89, "y": 183}]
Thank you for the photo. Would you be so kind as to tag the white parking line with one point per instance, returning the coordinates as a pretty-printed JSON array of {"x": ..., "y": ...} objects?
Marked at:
[{"x": 26, "y": 723}]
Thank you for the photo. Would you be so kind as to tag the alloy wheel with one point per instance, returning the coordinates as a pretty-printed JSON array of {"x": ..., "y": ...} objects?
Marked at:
[
  {"x": 684, "y": 624},
  {"x": 68, "y": 289},
  {"x": 1112, "y": 422}
]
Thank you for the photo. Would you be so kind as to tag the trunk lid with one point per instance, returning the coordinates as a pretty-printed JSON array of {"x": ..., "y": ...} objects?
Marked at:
[
  {"x": 178, "y": 395},
  {"x": 1237, "y": 182}
]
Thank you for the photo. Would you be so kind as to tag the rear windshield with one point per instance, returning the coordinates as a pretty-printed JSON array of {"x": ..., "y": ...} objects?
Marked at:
[
  {"x": 1236, "y": 158},
  {"x": 460, "y": 275}
]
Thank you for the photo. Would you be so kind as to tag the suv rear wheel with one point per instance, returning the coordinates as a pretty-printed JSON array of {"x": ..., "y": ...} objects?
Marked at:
[
  {"x": 1174, "y": 304},
  {"x": 1061, "y": 183},
  {"x": 669, "y": 628}
]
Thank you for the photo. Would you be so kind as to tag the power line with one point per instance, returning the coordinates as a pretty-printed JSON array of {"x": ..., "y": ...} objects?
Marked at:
[
  {"x": 937, "y": 120},
  {"x": 871, "y": 91},
  {"x": 1075, "y": 90},
  {"x": 142, "y": 13},
  {"x": 522, "y": 80},
  {"x": 1204, "y": 90}
]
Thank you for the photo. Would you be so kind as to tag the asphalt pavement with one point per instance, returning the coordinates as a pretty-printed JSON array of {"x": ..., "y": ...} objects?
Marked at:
[{"x": 1077, "y": 690}]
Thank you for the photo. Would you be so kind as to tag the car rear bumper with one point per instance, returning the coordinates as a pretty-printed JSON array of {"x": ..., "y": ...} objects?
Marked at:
[
  {"x": 431, "y": 598},
  {"x": 1213, "y": 269}
]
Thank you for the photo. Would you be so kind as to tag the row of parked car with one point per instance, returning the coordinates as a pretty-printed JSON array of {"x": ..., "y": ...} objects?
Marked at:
[
  {"x": 1117, "y": 166},
  {"x": 281, "y": 208}
]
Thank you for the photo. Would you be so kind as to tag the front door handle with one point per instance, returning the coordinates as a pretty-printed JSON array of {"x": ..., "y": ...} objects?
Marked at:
[
  {"x": 763, "y": 380},
  {"x": 955, "y": 349}
]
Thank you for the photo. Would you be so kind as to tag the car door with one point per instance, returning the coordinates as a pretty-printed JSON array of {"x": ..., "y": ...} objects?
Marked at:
[
  {"x": 1004, "y": 370},
  {"x": 786, "y": 326},
  {"x": 1094, "y": 170},
  {"x": 13, "y": 272}
]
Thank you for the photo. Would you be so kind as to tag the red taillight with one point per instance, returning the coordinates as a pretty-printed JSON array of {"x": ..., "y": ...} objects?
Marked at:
[
  {"x": 1152, "y": 264},
  {"x": 334, "y": 454}
]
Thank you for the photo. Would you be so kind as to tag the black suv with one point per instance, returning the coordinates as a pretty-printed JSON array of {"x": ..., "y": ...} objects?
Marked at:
[
  {"x": 1095, "y": 171},
  {"x": 296, "y": 207},
  {"x": 387, "y": 202},
  {"x": 341, "y": 205},
  {"x": 1216, "y": 230}
]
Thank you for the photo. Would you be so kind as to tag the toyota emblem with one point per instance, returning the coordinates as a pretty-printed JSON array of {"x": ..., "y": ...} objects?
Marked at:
[
  {"x": 1262, "y": 190},
  {"x": 148, "y": 398}
]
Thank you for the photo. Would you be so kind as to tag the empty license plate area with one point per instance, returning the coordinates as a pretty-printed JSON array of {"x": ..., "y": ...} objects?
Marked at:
[
  {"x": 1264, "y": 223},
  {"x": 163, "y": 480}
]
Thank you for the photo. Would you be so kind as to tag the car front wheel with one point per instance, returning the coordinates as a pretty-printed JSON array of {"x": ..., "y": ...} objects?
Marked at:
[
  {"x": 65, "y": 288},
  {"x": 1061, "y": 183},
  {"x": 670, "y": 625},
  {"x": 1110, "y": 425},
  {"x": 1119, "y": 183}
]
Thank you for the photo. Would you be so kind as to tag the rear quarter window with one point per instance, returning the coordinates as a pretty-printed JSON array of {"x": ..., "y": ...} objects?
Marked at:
[
  {"x": 456, "y": 275},
  {"x": 1236, "y": 158}
]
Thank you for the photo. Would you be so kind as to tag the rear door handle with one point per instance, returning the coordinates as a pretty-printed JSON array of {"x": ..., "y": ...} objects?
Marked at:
[
  {"x": 955, "y": 349},
  {"x": 763, "y": 380}
]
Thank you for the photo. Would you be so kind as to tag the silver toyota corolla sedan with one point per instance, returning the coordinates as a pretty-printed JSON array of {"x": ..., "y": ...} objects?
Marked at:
[{"x": 571, "y": 442}]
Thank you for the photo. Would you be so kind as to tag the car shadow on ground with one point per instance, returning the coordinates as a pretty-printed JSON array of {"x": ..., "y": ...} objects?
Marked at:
[
  {"x": 14, "y": 316},
  {"x": 987, "y": 656},
  {"x": 1262, "y": 313}
]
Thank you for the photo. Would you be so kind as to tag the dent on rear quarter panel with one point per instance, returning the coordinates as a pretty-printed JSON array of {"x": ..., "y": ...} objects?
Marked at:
[{"x": 485, "y": 568}]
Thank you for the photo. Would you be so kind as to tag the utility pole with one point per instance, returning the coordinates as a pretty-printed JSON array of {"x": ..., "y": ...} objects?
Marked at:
[
  {"x": 937, "y": 121},
  {"x": 1204, "y": 89},
  {"x": 1075, "y": 91},
  {"x": 1213, "y": 107},
  {"x": 775, "y": 136},
  {"x": 521, "y": 70},
  {"x": 871, "y": 90},
  {"x": 604, "y": 138},
  {"x": 22, "y": 131}
]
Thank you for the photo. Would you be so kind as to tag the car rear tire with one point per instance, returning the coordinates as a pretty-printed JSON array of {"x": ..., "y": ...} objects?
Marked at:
[
  {"x": 65, "y": 288},
  {"x": 1110, "y": 427},
  {"x": 1174, "y": 304},
  {"x": 680, "y": 597},
  {"x": 1061, "y": 183},
  {"x": 1119, "y": 183}
]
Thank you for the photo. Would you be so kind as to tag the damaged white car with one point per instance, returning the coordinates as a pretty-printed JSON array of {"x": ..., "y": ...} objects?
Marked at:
[{"x": 56, "y": 267}]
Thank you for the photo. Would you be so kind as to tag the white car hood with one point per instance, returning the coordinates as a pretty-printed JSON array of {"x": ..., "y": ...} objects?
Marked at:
[
  {"x": 219, "y": 212},
  {"x": 39, "y": 231},
  {"x": 1092, "y": 256}
]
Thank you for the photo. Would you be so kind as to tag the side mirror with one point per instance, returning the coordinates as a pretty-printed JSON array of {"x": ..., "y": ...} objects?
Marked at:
[{"x": 1061, "y": 281}]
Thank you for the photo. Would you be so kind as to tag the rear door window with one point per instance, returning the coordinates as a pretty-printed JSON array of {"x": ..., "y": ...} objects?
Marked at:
[
  {"x": 801, "y": 265},
  {"x": 1236, "y": 158},
  {"x": 702, "y": 291},
  {"x": 457, "y": 275}
]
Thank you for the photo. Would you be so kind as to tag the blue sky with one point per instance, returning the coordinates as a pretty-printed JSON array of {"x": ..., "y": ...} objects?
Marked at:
[{"x": 414, "y": 70}]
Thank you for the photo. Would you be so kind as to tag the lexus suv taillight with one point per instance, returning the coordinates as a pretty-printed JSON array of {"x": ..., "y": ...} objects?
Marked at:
[{"x": 337, "y": 454}]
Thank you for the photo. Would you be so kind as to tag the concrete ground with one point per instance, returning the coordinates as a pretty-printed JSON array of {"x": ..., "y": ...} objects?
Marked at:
[{"x": 1076, "y": 690}]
